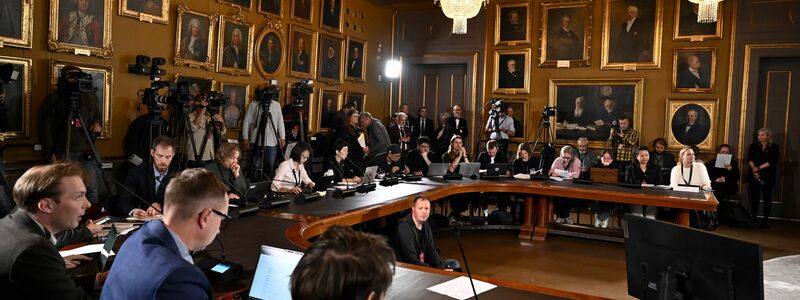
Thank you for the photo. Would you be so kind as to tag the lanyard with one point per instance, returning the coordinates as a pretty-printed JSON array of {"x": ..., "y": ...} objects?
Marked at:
[
  {"x": 691, "y": 170},
  {"x": 296, "y": 180}
]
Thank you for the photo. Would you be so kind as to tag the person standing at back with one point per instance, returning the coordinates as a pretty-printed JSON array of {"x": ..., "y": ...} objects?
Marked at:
[{"x": 762, "y": 161}]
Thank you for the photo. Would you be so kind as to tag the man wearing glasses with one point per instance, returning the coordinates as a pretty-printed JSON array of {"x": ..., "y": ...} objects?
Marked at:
[{"x": 155, "y": 263}]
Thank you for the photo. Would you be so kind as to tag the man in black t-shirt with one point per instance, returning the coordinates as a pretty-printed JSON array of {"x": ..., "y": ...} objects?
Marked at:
[
  {"x": 414, "y": 242},
  {"x": 418, "y": 160}
]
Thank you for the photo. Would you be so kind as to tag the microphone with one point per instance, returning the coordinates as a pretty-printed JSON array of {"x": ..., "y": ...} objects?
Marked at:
[
  {"x": 136, "y": 196},
  {"x": 221, "y": 247},
  {"x": 355, "y": 166}
]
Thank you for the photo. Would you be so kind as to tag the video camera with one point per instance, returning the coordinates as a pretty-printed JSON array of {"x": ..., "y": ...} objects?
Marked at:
[
  {"x": 75, "y": 82},
  {"x": 301, "y": 91},
  {"x": 177, "y": 95},
  {"x": 267, "y": 94},
  {"x": 216, "y": 100},
  {"x": 549, "y": 111},
  {"x": 497, "y": 107}
]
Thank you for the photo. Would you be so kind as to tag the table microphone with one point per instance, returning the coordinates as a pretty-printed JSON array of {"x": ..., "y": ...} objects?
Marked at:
[{"x": 125, "y": 188}]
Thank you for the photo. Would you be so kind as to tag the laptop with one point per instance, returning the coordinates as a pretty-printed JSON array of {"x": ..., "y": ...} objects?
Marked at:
[
  {"x": 437, "y": 169},
  {"x": 369, "y": 174},
  {"x": 604, "y": 175},
  {"x": 257, "y": 191},
  {"x": 273, "y": 274},
  {"x": 496, "y": 169},
  {"x": 469, "y": 169},
  {"x": 323, "y": 183}
]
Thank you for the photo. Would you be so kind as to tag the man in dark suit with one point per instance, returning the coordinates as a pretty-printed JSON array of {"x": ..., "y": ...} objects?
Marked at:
[
  {"x": 148, "y": 181},
  {"x": 510, "y": 78},
  {"x": 233, "y": 56},
  {"x": 690, "y": 132},
  {"x": 633, "y": 38},
  {"x": 422, "y": 126},
  {"x": 455, "y": 125},
  {"x": 155, "y": 262},
  {"x": 331, "y": 10},
  {"x": 692, "y": 77},
  {"x": 564, "y": 43},
  {"x": 354, "y": 63},
  {"x": 400, "y": 133},
  {"x": 51, "y": 199},
  {"x": 300, "y": 61},
  {"x": 512, "y": 29},
  {"x": 330, "y": 65}
]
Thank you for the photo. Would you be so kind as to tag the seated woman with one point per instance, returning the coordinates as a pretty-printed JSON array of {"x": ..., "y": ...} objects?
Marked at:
[
  {"x": 643, "y": 172},
  {"x": 455, "y": 154},
  {"x": 291, "y": 175},
  {"x": 689, "y": 172},
  {"x": 565, "y": 166},
  {"x": 343, "y": 170},
  {"x": 604, "y": 209},
  {"x": 226, "y": 168},
  {"x": 725, "y": 180},
  {"x": 523, "y": 164}
]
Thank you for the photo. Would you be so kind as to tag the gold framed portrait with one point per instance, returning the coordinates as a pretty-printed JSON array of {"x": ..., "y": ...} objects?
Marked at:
[
  {"x": 16, "y": 23},
  {"x": 302, "y": 11},
  {"x": 507, "y": 76},
  {"x": 302, "y": 50},
  {"x": 17, "y": 99},
  {"x": 591, "y": 107},
  {"x": 79, "y": 29},
  {"x": 102, "y": 84},
  {"x": 270, "y": 46},
  {"x": 197, "y": 85},
  {"x": 151, "y": 11},
  {"x": 194, "y": 38},
  {"x": 359, "y": 100},
  {"x": 517, "y": 109},
  {"x": 686, "y": 26},
  {"x": 512, "y": 24},
  {"x": 693, "y": 69},
  {"x": 271, "y": 8},
  {"x": 632, "y": 34},
  {"x": 330, "y": 59},
  {"x": 356, "y": 62},
  {"x": 331, "y": 16},
  {"x": 235, "y": 46},
  {"x": 238, "y": 100},
  {"x": 691, "y": 122},
  {"x": 566, "y": 34},
  {"x": 243, "y": 4},
  {"x": 330, "y": 101}
]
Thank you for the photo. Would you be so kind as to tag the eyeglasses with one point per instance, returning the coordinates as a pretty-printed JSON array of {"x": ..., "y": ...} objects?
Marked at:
[{"x": 224, "y": 216}]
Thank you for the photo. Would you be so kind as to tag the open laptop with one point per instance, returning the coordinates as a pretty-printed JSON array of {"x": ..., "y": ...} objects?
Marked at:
[
  {"x": 323, "y": 183},
  {"x": 437, "y": 169},
  {"x": 257, "y": 191},
  {"x": 273, "y": 274},
  {"x": 369, "y": 174},
  {"x": 604, "y": 175},
  {"x": 496, "y": 170},
  {"x": 469, "y": 169}
]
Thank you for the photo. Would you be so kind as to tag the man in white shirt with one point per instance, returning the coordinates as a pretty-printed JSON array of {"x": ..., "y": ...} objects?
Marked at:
[
  {"x": 267, "y": 131},
  {"x": 501, "y": 131}
]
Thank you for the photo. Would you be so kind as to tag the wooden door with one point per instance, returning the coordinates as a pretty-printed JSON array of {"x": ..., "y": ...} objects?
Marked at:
[{"x": 438, "y": 87}]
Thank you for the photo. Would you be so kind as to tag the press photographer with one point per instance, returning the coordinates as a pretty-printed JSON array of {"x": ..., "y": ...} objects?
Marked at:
[
  {"x": 263, "y": 124},
  {"x": 207, "y": 126},
  {"x": 64, "y": 114},
  {"x": 500, "y": 127}
]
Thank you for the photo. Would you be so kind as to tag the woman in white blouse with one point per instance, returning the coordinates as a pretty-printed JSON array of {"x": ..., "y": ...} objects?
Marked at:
[
  {"x": 689, "y": 172},
  {"x": 291, "y": 175}
]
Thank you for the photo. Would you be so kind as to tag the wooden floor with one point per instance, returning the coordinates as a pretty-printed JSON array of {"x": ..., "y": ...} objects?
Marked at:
[{"x": 585, "y": 266}]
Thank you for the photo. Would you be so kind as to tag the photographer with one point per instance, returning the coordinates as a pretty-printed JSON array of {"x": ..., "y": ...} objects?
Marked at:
[
  {"x": 263, "y": 123},
  {"x": 62, "y": 135},
  {"x": 499, "y": 127},
  {"x": 622, "y": 140},
  {"x": 204, "y": 120}
]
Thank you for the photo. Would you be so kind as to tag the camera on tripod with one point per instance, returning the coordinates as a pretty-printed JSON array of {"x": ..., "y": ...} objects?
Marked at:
[
  {"x": 76, "y": 82},
  {"x": 176, "y": 95},
  {"x": 549, "y": 111},
  {"x": 216, "y": 100},
  {"x": 270, "y": 93},
  {"x": 498, "y": 106},
  {"x": 301, "y": 91}
]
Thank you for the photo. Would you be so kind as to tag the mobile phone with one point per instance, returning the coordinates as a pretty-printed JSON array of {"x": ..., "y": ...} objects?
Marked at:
[{"x": 103, "y": 221}]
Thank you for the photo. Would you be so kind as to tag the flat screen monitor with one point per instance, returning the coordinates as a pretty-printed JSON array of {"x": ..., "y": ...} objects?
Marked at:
[
  {"x": 668, "y": 261},
  {"x": 273, "y": 274}
]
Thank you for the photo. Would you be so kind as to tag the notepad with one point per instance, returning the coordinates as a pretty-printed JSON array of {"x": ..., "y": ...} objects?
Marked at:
[{"x": 460, "y": 288}]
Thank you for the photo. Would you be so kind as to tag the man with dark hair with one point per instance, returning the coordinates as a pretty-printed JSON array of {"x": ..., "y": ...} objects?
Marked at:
[
  {"x": 623, "y": 140},
  {"x": 662, "y": 158},
  {"x": 725, "y": 180},
  {"x": 393, "y": 164},
  {"x": 155, "y": 262},
  {"x": 422, "y": 126},
  {"x": 51, "y": 199},
  {"x": 414, "y": 243},
  {"x": 344, "y": 264},
  {"x": 419, "y": 159},
  {"x": 147, "y": 181},
  {"x": 340, "y": 119},
  {"x": 492, "y": 155}
]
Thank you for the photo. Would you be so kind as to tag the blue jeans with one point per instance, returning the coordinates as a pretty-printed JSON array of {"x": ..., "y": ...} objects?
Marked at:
[{"x": 268, "y": 156}]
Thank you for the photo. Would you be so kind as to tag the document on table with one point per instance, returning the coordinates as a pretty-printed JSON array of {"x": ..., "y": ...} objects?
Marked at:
[
  {"x": 722, "y": 160},
  {"x": 93, "y": 248},
  {"x": 460, "y": 288}
]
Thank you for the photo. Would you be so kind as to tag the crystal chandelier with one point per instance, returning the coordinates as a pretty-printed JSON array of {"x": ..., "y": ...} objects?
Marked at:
[
  {"x": 707, "y": 12},
  {"x": 460, "y": 11}
]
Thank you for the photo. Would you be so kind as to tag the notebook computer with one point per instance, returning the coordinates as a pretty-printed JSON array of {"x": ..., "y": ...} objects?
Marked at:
[
  {"x": 604, "y": 175},
  {"x": 273, "y": 274},
  {"x": 469, "y": 169},
  {"x": 323, "y": 183},
  {"x": 257, "y": 191},
  {"x": 497, "y": 169},
  {"x": 369, "y": 174},
  {"x": 437, "y": 169}
]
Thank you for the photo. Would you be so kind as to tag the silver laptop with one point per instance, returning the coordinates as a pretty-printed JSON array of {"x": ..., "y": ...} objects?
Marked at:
[
  {"x": 369, "y": 174},
  {"x": 469, "y": 169},
  {"x": 437, "y": 169},
  {"x": 273, "y": 273}
]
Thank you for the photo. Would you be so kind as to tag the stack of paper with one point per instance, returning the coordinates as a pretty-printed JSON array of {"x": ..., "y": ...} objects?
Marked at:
[{"x": 460, "y": 288}]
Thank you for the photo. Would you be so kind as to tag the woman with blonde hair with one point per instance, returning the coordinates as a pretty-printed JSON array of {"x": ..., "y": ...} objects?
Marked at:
[
  {"x": 688, "y": 171},
  {"x": 455, "y": 154},
  {"x": 762, "y": 162}
]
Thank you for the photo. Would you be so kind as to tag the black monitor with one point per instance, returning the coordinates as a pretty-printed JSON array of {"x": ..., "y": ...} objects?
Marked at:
[{"x": 668, "y": 261}]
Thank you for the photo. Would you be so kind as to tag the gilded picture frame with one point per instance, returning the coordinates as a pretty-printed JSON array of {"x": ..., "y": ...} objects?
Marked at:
[
  {"x": 271, "y": 8},
  {"x": 521, "y": 117},
  {"x": 699, "y": 79},
  {"x": 103, "y": 87},
  {"x": 507, "y": 27},
  {"x": 681, "y": 131},
  {"x": 358, "y": 99},
  {"x": 17, "y": 99},
  {"x": 266, "y": 62},
  {"x": 302, "y": 11},
  {"x": 197, "y": 85},
  {"x": 13, "y": 32},
  {"x": 356, "y": 61},
  {"x": 557, "y": 47},
  {"x": 230, "y": 57},
  {"x": 602, "y": 101},
  {"x": 686, "y": 27},
  {"x": 243, "y": 4},
  {"x": 638, "y": 45},
  {"x": 507, "y": 62},
  {"x": 335, "y": 21},
  {"x": 238, "y": 100},
  {"x": 146, "y": 10},
  {"x": 330, "y": 68},
  {"x": 330, "y": 101},
  {"x": 62, "y": 39},
  {"x": 187, "y": 19},
  {"x": 302, "y": 65}
]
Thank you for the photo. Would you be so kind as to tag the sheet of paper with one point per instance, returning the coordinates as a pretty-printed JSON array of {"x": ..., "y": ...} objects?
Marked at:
[
  {"x": 460, "y": 288},
  {"x": 93, "y": 248},
  {"x": 132, "y": 219},
  {"x": 690, "y": 189},
  {"x": 522, "y": 176},
  {"x": 362, "y": 140},
  {"x": 722, "y": 160}
]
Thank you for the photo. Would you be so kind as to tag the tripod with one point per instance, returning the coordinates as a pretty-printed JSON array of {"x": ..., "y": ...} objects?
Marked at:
[
  {"x": 544, "y": 135},
  {"x": 264, "y": 117},
  {"x": 73, "y": 120}
]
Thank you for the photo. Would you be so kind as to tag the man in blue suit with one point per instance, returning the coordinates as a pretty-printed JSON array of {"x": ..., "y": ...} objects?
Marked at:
[{"x": 155, "y": 263}]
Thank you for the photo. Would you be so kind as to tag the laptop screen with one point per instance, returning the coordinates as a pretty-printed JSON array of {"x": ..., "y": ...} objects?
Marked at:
[{"x": 273, "y": 273}]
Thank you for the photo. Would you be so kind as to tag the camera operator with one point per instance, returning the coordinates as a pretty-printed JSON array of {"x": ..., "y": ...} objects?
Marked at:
[
  {"x": 273, "y": 134},
  {"x": 204, "y": 119},
  {"x": 500, "y": 127},
  {"x": 58, "y": 128},
  {"x": 622, "y": 140}
]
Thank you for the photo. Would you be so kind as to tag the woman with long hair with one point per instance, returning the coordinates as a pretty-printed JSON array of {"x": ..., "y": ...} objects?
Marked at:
[
  {"x": 455, "y": 154},
  {"x": 762, "y": 160},
  {"x": 643, "y": 171},
  {"x": 291, "y": 176}
]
